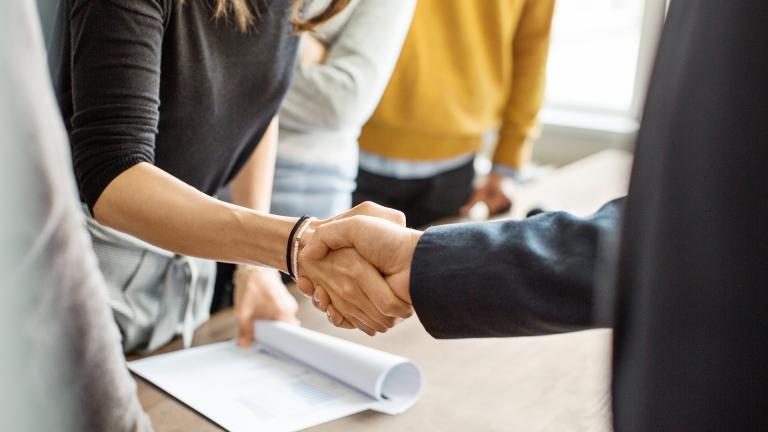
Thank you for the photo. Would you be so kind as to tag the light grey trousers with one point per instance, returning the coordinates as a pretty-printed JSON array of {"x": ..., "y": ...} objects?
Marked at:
[{"x": 155, "y": 295}]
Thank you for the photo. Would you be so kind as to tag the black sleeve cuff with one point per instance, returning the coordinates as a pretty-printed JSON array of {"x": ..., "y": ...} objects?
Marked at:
[{"x": 93, "y": 183}]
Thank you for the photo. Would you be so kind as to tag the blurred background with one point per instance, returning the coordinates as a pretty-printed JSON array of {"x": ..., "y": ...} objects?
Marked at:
[
  {"x": 599, "y": 65},
  {"x": 600, "y": 62}
]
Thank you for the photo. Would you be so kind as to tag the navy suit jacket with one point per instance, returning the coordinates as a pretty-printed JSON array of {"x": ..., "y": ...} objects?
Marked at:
[
  {"x": 506, "y": 278},
  {"x": 687, "y": 283}
]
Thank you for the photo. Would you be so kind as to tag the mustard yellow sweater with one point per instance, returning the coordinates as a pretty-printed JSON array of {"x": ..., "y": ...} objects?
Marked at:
[{"x": 468, "y": 66}]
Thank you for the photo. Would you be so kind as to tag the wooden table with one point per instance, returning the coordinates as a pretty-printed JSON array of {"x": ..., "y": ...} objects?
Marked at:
[{"x": 553, "y": 383}]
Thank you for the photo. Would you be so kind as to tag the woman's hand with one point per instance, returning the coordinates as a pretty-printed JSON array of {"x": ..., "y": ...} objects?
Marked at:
[
  {"x": 356, "y": 289},
  {"x": 311, "y": 51},
  {"x": 260, "y": 294},
  {"x": 495, "y": 191},
  {"x": 360, "y": 293},
  {"x": 385, "y": 246}
]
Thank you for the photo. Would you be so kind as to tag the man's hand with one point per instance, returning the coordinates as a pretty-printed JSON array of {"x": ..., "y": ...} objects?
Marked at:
[
  {"x": 495, "y": 191},
  {"x": 260, "y": 294},
  {"x": 387, "y": 246},
  {"x": 368, "y": 208}
]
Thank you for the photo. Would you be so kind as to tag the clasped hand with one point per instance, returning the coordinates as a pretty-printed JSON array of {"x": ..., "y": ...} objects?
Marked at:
[{"x": 356, "y": 267}]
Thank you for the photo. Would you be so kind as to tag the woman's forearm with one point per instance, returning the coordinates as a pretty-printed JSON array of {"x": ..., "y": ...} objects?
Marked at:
[{"x": 150, "y": 204}]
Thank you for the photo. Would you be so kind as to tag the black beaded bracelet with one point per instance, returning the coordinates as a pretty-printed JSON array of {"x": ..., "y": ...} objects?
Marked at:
[{"x": 289, "y": 248}]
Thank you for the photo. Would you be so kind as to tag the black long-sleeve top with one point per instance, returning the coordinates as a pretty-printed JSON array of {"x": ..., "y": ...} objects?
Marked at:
[{"x": 153, "y": 81}]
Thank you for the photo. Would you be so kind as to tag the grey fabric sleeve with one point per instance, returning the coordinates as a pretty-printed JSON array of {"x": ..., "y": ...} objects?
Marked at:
[
  {"x": 510, "y": 278},
  {"x": 67, "y": 344},
  {"x": 343, "y": 91}
]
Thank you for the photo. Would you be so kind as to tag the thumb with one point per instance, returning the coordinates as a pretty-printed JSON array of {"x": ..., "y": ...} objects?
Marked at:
[
  {"x": 331, "y": 236},
  {"x": 244, "y": 330},
  {"x": 370, "y": 208}
]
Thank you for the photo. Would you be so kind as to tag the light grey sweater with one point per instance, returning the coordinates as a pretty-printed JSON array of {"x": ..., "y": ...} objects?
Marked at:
[
  {"x": 327, "y": 105},
  {"x": 61, "y": 364}
]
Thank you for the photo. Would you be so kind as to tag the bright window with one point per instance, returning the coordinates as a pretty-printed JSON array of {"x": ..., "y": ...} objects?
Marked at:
[{"x": 595, "y": 54}]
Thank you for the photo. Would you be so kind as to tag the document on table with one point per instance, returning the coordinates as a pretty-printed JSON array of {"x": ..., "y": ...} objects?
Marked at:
[{"x": 292, "y": 379}]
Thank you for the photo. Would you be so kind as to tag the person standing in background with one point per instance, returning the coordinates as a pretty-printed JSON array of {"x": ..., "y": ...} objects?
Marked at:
[
  {"x": 467, "y": 68},
  {"x": 343, "y": 70}
]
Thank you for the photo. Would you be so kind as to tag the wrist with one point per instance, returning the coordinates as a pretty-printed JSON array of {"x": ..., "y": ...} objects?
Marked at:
[
  {"x": 500, "y": 171},
  {"x": 259, "y": 239},
  {"x": 412, "y": 241},
  {"x": 295, "y": 245}
]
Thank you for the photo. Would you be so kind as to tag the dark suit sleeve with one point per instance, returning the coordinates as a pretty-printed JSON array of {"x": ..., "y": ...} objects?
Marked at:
[{"x": 509, "y": 278}]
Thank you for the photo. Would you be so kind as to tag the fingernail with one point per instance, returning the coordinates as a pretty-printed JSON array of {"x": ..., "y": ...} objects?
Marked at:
[{"x": 328, "y": 315}]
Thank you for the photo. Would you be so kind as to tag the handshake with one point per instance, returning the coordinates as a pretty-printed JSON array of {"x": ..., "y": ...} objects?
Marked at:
[{"x": 356, "y": 267}]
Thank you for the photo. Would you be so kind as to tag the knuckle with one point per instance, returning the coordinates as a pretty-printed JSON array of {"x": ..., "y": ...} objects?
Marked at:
[
  {"x": 320, "y": 231},
  {"x": 380, "y": 324},
  {"x": 304, "y": 287},
  {"x": 348, "y": 292},
  {"x": 323, "y": 297},
  {"x": 391, "y": 309},
  {"x": 335, "y": 317},
  {"x": 397, "y": 216},
  {"x": 342, "y": 309},
  {"x": 355, "y": 267},
  {"x": 322, "y": 305},
  {"x": 389, "y": 322},
  {"x": 356, "y": 222}
]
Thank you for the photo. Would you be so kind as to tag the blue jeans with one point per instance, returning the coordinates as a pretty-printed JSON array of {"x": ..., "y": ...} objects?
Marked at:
[{"x": 319, "y": 191}]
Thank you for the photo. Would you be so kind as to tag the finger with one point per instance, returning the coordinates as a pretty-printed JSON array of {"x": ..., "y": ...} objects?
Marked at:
[
  {"x": 381, "y": 295},
  {"x": 477, "y": 196},
  {"x": 328, "y": 237},
  {"x": 244, "y": 327},
  {"x": 380, "y": 322},
  {"x": 498, "y": 203},
  {"x": 305, "y": 286},
  {"x": 350, "y": 292},
  {"x": 239, "y": 313},
  {"x": 318, "y": 305},
  {"x": 337, "y": 319},
  {"x": 356, "y": 316},
  {"x": 464, "y": 211},
  {"x": 350, "y": 289},
  {"x": 372, "y": 312},
  {"x": 334, "y": 316},
  {"x": 354, "y": 323},
  {"x": 322, "y": 298}
]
